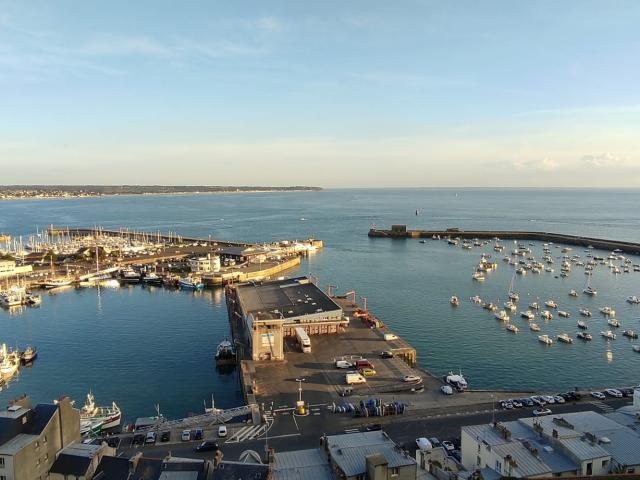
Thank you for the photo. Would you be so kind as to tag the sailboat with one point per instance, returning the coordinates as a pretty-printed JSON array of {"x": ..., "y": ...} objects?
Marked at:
[
  {"x": 513, "y": 296},
  {"x": 589, "y": 290}
]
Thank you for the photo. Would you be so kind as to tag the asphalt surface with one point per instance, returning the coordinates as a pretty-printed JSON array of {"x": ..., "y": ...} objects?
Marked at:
[{"x": 290, "y": 432}]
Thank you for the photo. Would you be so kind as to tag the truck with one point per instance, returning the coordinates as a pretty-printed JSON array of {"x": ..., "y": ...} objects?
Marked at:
[
  {"x": 354, "y": 378},
  {"x": 303, "y": 340},
  {"x": 390, "y": 336}
]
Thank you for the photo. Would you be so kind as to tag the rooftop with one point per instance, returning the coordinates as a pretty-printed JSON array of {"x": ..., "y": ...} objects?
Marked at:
[
  {"x": 69, "y": 464},
  {"x": 16, "y": 433},
  {"x": 284, "y": 298},
  {"x": 309, "y": 464}
]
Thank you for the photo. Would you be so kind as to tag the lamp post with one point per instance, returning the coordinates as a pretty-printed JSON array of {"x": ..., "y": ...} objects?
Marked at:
[{"x": 300, "y": 403}]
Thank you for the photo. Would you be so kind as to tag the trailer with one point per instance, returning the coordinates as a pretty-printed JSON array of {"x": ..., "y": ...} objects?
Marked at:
[{"x": 303, "y": 340}]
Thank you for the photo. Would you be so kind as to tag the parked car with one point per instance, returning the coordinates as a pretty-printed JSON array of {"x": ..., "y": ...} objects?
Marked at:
[
  {"x": 598, "y": 395},
  {"x": 559, "y": 399},
  {"x": 222, "y": 431},
  {"x": 150, "y": 438},
  {"x": 538, "y": 401},
  {"x": 423, "y": 443},
  {"x": 627, "y": 392},
  {"x": 343, "y": 364},
  {"x": 528, "y": 402},
  {"x": 207, "y": 446},
  {"x": 446, "y": 389},
  {"x": 517, "y": 403},
  {"x": 411, "y": 378},
  {"x": 448, "y": 446},
  {"x": 548, "y": 398},
  {"x": 368, "y": 372},
  {"x": 386, "y": 354},
  {"x": 613, "y": 392},
  {"x": 538, "y": 412},
  {"x": 186, "y": 435},
  {"x": 364, "y": 363},
  {"x": 165, "y": 436},
  {"x": 434, "y": 441},
  {"x": 197, "y": 434}
]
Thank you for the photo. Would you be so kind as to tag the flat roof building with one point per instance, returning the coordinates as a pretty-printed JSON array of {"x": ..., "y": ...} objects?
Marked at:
[{"x": 270, "y": 311}]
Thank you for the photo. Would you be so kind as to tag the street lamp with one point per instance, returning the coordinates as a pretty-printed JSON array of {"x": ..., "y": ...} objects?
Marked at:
[{"x": 300, "y": 403}]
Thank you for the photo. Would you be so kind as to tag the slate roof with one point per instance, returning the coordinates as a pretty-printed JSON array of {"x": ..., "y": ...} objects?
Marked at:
[
  {"x": 112, "y": 468},
  {"x": 74, "y": 465},
  {"x": 311, "y": 464}
]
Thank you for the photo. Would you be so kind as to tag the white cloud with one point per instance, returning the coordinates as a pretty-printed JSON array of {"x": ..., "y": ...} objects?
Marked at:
[
  {"x": 604, "y": 160},
  {"x": 544, "y": 164}
]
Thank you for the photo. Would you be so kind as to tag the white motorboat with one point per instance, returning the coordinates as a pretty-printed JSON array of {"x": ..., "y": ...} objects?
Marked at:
[
  {"x": 564, "y": 314},
  {"x": 534, "y": 327},
  {"x": 564, "y": 338},
  {"x": 502, "y": 315},
  {"x": 512, "y": 307},
  {"x": 547, "y": 315},
  {"x": 489, "y": 306},
  {"x": 456, "y": 380},
  {"x": 633, "y": 299},
  {"x": 636, "y": 348},
  {"x": 475, "y": 299},
  {"x": 528, "y": 315},
  {"x": 551, "y": 304},
  {"x": 608, "y": 311},
  {"x": 589, "y": 290},
  {"x": 545, "y": 339},
  {"x": 478, "y": 277},
  {"x": 582, "y": 324},
  {"x": 10, "y": 299},
  {"x": 454, "y": 301},
  {"x": 534, "y": 305},
  {"x": 609, "y": 335},
  {"x": 584, "y": 336},
  {"x": 521, "y": 271},
  {"x": 573, "y": 293},
  {"x": 585, "y": 312},
  {"x": 512, "y": 328},
  {"x": 630, "y": 334},
  {"x": 613, "y": 322}
]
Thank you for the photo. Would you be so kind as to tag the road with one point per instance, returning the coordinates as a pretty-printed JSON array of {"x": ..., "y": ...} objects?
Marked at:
[{"x": 289, "y": 432}]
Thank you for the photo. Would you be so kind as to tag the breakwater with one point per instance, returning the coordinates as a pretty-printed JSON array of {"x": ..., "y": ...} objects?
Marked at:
[{"x": 401, "y": 231}]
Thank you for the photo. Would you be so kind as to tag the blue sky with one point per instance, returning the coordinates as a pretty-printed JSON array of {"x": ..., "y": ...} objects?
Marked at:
[{"x": 344, "y": 93}]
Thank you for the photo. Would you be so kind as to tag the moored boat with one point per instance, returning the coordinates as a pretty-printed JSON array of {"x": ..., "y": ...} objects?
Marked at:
[
  {"x": 564, "y": 338},
  {"x": 582, "y": 324},
  {"x": 190, "y": 283},
  {"x": 225, "y": 353},
  {"x": 633, "y": 299},
  {"x": 585, "y": 312},
  {"x": 608, "y": 311},
  {"x": 512, "y": 328},
  {"x": 94, "y": 419},
  {"x": 534, "y": 327},
  {"x": 454, "y": 301},
  {"x": 562, "y": 313},
  {"x": 584, "y": 336},
  {"x": 630, "y": 334},
  {"x": 608, "y": 334},
  {"x": 547, "y": 315},
  {"x": 29, "y": 354},
  {"x": 613, "y": 322},
  {"x": 545, "y": 339},
  {"x": 528, "y": 315}
]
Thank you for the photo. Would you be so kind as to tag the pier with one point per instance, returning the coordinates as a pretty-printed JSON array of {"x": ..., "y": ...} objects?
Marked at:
[{"x": 401, "y": 231}]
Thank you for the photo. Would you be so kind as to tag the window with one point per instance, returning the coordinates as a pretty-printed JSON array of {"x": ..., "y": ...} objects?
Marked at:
[
  {"x": 37, "y": 444},
  {"x": 395, "y": 471},
  {"x": 498, "y": 466},
  {"x": 44, "y": 440},
  {"x": 478, "y": 461},
  {"x": 1, "y": 462},
  {"x": 605, "y": 463},
  {"x": 2, "y": 477}
]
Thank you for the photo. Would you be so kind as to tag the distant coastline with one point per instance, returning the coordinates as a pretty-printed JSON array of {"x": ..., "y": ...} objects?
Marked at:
[{"x": 22, "y": 192}]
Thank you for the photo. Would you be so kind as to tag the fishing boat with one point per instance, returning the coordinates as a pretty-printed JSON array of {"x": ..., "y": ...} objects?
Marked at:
[
  {"x": 545, "y": 339},
  {"x": 630, "y": 334},
  {"x": 564, "y": 338},
  {"x": 547, "y": 315},
  {"x": 584, "y": 336},
  {"x": 152, "y": 278},
  {"x": 564, "y": 314},
  {"x": 29, "y": 354},
  {"x": 10, "y": 299},
  {"x": 190, "y": 283},
  {"x": 454, "y": 301},
  {"x": 528, "y": 315},
  {"x": 52, "y": 284},
  {"x": 225, "y": 353},
  {"x": 94, "y": 419},
  {"x": 613, "y": 322},
  {"x": 129, "y": 275},
  {"x": 582, "y": 324},
  {"x": 608, "y": 311},
  {"x": 585, "y": 312},
  {"x": 608, "y": 334},
  {"x": 534, "y": 327},
  {"x": 512, "y": 328},
  {"x": 10, "y": 362},
  {"x": 475, "y": 299}
]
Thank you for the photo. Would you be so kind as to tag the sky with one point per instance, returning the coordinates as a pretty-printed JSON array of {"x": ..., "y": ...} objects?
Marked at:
[{"x": 333, "y": 93}]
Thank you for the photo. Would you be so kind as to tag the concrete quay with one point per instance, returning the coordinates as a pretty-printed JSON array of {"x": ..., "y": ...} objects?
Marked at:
[{"x": 401, "y": 231}]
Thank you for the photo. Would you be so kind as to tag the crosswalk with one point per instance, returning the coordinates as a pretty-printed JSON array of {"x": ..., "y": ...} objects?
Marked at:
[
  {"x": 602, "y": 406},
  {"x": 251, "y": 432}
]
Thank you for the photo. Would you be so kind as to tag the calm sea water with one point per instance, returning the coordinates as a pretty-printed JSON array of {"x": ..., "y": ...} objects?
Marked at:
[{"x": 143, "y": 346}]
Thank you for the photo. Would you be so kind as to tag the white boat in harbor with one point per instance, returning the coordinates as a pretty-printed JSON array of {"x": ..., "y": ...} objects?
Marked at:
[
  {"x": 489, "y": 306},
  {"x": 10, "y": 362},
  {"x": 547, "y": 315},
  {"x": 562, "y": 313},
  {"x": 456, "y": 380},
  {"x": 10, "y": 299},
  {"x": 582, "y": 324},
  {"x": 534, "y": 327},
  {"x": 613, "y": 322},
  {"x": 534, "y": 305},
  {"x": 633, "y": 300},
  {"x": 551, "y": 304},
  {"x": 528, "y": 315},
  {"x": 94, "y": 419},
  {"x": 512, "y": 307},
  {"x": 512, "y": 328},
  {"x": 589, "y": 290},
  {"x": 51, "y": 284},
  {"x": 573, "y": 293},
  {"x": 636, "y": 348},
  {"x": 609, "y": 335},
  {"x": 454, "y": 301},
  {"x": 545, "y": 339},
  {"x": 585, "y": 312},
  {"x": 478, "y": 277},
  {"x": 584, "y": 336},
  {"x": 502, "y": 315},
  {"x": 475, "y": 299},
  {"x": 608, "y": 311},
  {"x": 564, "y": 338},
  {"x": 630, "y": 334}
]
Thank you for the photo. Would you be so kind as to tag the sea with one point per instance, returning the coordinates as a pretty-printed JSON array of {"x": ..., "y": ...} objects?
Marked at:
[{"x": 152, "y": 349}]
